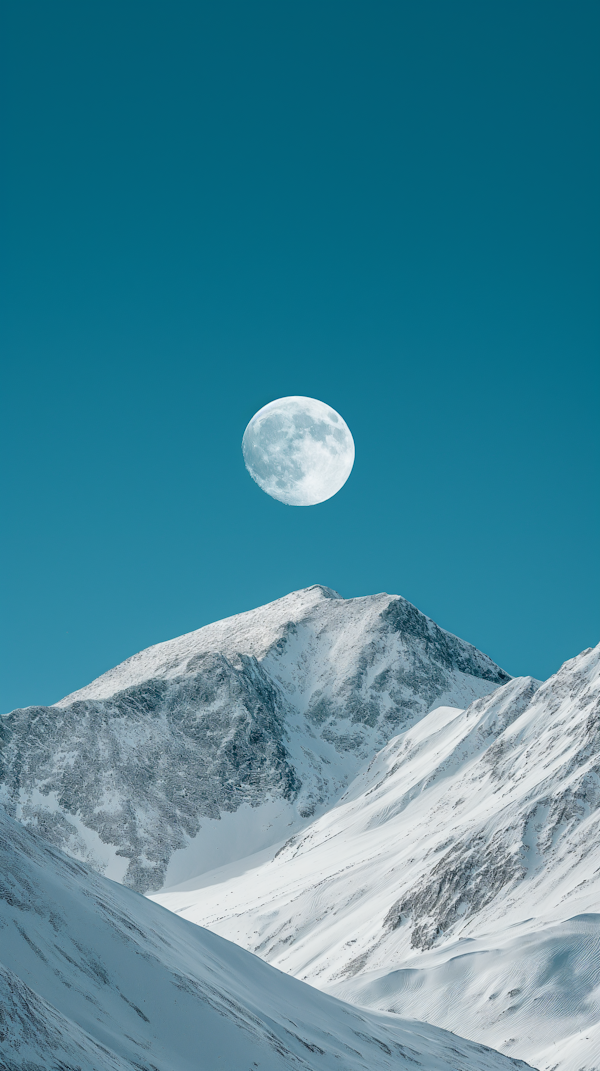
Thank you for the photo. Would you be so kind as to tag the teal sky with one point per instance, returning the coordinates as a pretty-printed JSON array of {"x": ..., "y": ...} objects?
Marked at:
[{"x": 388, "y": 206}]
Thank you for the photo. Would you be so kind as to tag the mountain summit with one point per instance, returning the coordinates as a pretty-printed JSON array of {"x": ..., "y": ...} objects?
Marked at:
[{"x": 220, "y": 743}]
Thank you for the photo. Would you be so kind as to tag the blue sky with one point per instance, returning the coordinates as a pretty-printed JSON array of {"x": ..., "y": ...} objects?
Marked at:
[{"x": 388, "y": 206}]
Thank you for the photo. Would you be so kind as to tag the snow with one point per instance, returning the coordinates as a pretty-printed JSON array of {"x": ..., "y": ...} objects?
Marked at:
[
  {"x": 228, "y": 739},
  {"x": 96, "y": 978},
  {"x": 252, "y": 633},
  {"x": 257, "y": 633},
  {"x": 231, "y": 838},
  {"x": 460, "y": 866},
  {"x": 534, "y": 989},
  {"x": 356, "y": 798}
]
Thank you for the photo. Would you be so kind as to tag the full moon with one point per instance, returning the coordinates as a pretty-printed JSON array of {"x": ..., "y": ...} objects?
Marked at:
[{"x": 298, "y": 450}]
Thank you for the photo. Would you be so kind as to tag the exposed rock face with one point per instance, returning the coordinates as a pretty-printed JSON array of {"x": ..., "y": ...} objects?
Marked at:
[{"x": 273, "y": 709}]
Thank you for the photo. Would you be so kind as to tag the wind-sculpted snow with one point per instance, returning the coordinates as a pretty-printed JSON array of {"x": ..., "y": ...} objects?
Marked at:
[
  {"x": 526, "y": 990},
  {"x": 96, "y": 978},
  {"x": 265, "y": 716},
  {"x": 473, "y": 831}
]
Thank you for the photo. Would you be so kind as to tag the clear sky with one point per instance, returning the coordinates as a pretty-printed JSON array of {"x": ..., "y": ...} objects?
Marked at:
[{"x": 390, "y": 206}]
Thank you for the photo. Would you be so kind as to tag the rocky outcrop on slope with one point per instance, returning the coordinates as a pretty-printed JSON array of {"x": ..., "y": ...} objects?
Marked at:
[
  {"x": 274, "y": 708},
  {"x": 142, "y": 768}
]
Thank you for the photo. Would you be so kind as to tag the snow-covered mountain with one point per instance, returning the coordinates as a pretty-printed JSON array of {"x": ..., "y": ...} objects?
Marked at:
[
  {"x": 205, "y": 748},
  {"x": 93, "y": 977},
  {"x": 459, "y": 876}
]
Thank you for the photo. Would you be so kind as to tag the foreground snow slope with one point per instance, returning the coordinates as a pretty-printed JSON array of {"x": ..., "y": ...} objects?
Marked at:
[
  {"x": 222, "y": 742},
  {"x": 93, "y": 977},
  {"x": 446, "y": 877},
  {"x": 533, "y": 990}
]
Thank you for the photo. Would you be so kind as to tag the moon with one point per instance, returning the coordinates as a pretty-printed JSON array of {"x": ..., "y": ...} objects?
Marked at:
[{"x": 298, "y": 450}]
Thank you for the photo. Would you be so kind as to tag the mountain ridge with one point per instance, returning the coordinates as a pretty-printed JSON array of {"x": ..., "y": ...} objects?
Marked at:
[
  {"x": 457, "y": 873},
  {"x": 265, "y": 716}
]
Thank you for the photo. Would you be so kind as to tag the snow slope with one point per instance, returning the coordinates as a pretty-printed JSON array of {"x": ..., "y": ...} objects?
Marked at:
[
  {"x": 96, "y": 978},
  {"x": 460, "y": 875},
  {"x": 534, "y": 989},
  {"x": 222, "y": 742}
]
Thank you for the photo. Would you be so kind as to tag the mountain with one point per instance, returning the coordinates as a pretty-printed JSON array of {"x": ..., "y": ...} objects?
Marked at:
[
  {"x": 95, "y": 977},
  {"x": 203, "y": 749},
  {"x": 459, "y": 875}
]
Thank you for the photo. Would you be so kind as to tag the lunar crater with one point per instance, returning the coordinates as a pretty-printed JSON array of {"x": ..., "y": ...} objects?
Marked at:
[{"x": 298, "y": 450}]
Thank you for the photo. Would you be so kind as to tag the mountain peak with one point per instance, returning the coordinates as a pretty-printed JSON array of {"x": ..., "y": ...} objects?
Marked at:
[{"x": 223, "y": 741}]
